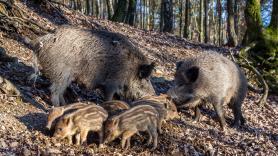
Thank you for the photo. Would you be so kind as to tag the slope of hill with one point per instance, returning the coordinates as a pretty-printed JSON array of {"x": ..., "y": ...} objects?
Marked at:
[{"x": 23, "y": 114}]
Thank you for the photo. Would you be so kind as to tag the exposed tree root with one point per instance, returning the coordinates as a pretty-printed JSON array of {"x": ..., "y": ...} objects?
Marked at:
[{"x": 259, "y": 76}]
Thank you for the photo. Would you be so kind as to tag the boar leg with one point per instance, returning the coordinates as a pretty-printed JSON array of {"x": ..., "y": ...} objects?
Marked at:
[
  {"x": 219, "y": 111},
  {"x": 150, "y": 137},
  {"x": 69, "y": 138},
  {"x": 58, "y": 88},
  {"x": 77, "y": 139},
  {"x": 153, "y": 131},
  {"x": 159, "y": 124},
  {"x": 83, "y": 136},
  {"x": 109, "y": 91},
  {"x": 126, "y": 138},
  {"x": 237, "y": 115},
  {"x": 197, "y": 114},
  {"x": 100, "y": 134}
]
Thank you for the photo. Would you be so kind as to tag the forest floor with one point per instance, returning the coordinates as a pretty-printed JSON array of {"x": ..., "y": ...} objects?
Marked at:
[{"x": 23, "y": 116}]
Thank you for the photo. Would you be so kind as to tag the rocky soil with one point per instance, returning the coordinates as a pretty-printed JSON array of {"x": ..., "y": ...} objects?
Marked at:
[{"x": 24, "y": 104}]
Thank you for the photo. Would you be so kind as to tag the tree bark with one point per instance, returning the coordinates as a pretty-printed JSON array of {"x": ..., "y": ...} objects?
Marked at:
[
  {"x": 97, "y": 8},
  {"x": 253, "y": 21},
  {"x": 206, "y": 21},
  {"x": 186, "y": 20},
  {"x": 131, "y": 12},
  {"x": 274, "y": 15},
  {"x": 219, "y": 7},
  {"x": 232, "y": 38},
  {"x": 121, "y": 11},
  {"x": 110, "y": 10},
  {"x": 168, "y": 16},
  {"x": 236, "y": 16},
  {"x": 201, "y": 21},
  {"x": 180, "y": 14}
]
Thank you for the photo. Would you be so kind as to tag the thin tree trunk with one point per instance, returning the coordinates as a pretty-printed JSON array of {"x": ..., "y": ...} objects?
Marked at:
[
  {"x": 186, "y": 20},
  {"x": 161, "y": 24},
  {"x": 97, "y": 8},
  {"x": 232, "y": 38},
  {"x": 219, "y": 7},
  {"x": 131, "y": 12},
  {"x": 168, "y": 16},
  {"x": 110, "y": 10},
  {"x": 180, "y": 12},
  {"x": 206, "y": 21},
  {"x": 274, "y": 15},
  {"x": 201, "y": 21},
  {"x": 92, "y": 7},
  {"x": 236, "y": 16}
]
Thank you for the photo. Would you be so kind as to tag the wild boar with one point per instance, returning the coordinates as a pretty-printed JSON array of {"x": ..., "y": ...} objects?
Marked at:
[
  {"x": 114, "y": 106},
  {"x": 97, "y": 59},
  {"x": 80, "y": 122},
  {"x": 167, "y": 102},
  {"x": 212, "y": 78},
  {"x": 56, "y": 112},
  {"x": 130, "y": 122},
  {"x": 166, "y": 109}
]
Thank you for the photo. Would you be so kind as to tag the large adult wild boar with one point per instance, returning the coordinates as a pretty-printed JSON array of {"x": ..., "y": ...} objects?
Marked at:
[
  {"x": 211, "y": 78},
  {"x": 97, "y": 59}
]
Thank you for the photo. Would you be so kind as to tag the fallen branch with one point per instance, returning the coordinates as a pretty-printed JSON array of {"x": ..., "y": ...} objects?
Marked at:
[
  {"x": 262, "y": 80},
  {"x": 248, "y": 66}
]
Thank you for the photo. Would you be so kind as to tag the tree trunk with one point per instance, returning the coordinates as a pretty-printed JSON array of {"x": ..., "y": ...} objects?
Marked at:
[
  {"x": 121, "y": 11},
  {"x": 201, "y": 21},
  {"x": 186, "y": 20},
  {"x": 206, "y": 21},
  {"x": 232, "y": 38},
  {"x": 264, "y": 53},
  {"x": 87, "y": 12},
  {"x": 92, "y": 6},
  {"x": 253, "y": 21},
  {"x": 219, "y": 7},
  {"x": 180, "y": 14},
  {"x": 131, "y": 12},
  {"x": 161, "y": 24},
  {"x": 97, "y": 8},
  {"x": 274, "y": 15},
  {"x": 236, "y": 17},
  {"x": 110, "y": 10},
  {"x": 168, "y": 16},
  {"x": 152, "y": 9}
]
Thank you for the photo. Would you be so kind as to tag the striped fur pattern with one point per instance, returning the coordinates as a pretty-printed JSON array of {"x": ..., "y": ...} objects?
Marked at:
[
  {"x": 131, "y": 121},
  {"x": 80, "y": 122},
  {"x": 114, "y": 106},
  {"x": 164, "y": 107},
  {"x": 165, "y": 101},
  {"x": 56, "y": 112}
]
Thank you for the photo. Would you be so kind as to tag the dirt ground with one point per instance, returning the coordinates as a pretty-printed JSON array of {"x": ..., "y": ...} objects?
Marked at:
[{"x": 23, "y": 115}]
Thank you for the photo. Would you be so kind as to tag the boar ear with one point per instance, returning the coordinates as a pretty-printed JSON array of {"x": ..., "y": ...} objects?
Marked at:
[
  {"x": 178, "y": 65},
  {"x": 145, "y": 70},
  {"x": 192, "y": 74}
]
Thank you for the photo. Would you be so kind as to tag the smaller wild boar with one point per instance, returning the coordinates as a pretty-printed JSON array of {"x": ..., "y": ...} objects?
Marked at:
[
  {"x": 114, "y": 106},
  {"x": 130, "y": 122},
  {"x": 212, "y": 78},
  {"x": 165, "y": 107},
  {"x": 56, "y": 112},
  {"x": 80, "y": 122}
]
